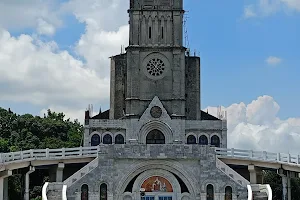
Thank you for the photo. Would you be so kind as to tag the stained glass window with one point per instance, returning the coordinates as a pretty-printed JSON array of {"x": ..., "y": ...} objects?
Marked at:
[
  {"x": 107, "y": 139},
  {"x": 119, "y": 139},
  {"x": 215, "y": 141},
  {"x": 203, "y": 140},
  {"x": 191, "y": 139},
  {"x": 95, "y": 141},
  {"x": 155, "y": 137}
]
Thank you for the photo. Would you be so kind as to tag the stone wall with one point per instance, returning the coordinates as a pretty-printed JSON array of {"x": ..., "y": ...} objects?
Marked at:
[{"x": 119, "y": 164}]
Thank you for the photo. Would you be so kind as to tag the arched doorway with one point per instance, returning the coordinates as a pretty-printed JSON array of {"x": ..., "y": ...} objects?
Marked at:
[
  {"x": 155, "y": 137},
  {"x": 157, "y": 184}
]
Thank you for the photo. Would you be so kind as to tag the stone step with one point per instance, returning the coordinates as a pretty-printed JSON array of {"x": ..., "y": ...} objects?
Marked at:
[{"x": 260, "y": 196}]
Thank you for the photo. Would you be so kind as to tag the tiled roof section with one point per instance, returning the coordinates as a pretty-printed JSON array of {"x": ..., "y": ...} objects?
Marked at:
[
  {"x": 102, "y": 115},
  {"x": 206, "y": 116}
]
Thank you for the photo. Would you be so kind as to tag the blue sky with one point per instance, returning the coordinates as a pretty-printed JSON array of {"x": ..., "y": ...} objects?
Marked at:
[
  {"x": 233, "y": 53},
  {"x": 55, "y": 56}
]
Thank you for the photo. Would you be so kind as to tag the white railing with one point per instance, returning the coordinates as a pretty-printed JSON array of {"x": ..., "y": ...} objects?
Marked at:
[
  {"x": 250, "y": 193},
  {"x": 48, "y": 154},
  {"x": 83, "y": 171},
  {"x": 258, "y": 155},
  {"x": 44, "y": 191},
  {"x": 236, "y": 177},
  {"x": 269, "y": 192},
  {"x": 64, "y": 193}
]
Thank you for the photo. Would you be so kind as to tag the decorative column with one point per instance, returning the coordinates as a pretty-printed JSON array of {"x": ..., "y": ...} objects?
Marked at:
[
  {"x": 26, "y": 194},
  {"x": 4, "y": 184}
]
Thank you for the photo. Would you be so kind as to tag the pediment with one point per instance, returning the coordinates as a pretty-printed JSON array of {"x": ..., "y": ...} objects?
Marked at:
[{"x": 155, "y": 111}]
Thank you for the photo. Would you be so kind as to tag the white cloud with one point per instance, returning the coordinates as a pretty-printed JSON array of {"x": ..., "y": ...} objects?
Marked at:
[
  {"x": 44, "y": 28},
  {"x": 104, "y": 34},
  {"x": 257, "y": 126},
  {"x": 41, "y": 74},
  {"x": 292, "y": 4},
  {"x": 273, "y": 60},
  {"x": 263, "y": 8},
  {"x": 37, "y": 72},
  {"x": 17, "y": 15},
  {"x": 249, "y": 11}
]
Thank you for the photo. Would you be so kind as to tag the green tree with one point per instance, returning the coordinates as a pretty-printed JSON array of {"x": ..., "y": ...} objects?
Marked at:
[{"x": 23, "y": 132}]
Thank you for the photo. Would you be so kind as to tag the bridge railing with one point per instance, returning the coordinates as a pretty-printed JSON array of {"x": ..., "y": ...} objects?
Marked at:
[
  {"x": 258, "y": 155},
  {"x": 40, "y": 154}
]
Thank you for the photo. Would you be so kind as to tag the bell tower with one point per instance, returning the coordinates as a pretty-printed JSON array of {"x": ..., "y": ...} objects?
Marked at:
[
  {"x": 155, "y": 64},
  {"x": 155, "y": 56}
]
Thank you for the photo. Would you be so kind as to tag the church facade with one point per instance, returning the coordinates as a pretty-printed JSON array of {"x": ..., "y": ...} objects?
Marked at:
[{"x": 155, "y": 141}]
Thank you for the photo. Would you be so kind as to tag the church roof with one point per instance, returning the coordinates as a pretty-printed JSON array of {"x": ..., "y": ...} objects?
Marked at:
[
  {"x": 206, "y": 116},
  {"x": 102, "y": 115}
]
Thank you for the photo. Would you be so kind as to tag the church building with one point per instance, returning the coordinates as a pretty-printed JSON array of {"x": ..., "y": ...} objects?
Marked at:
[{"x": 155, "y": 142}]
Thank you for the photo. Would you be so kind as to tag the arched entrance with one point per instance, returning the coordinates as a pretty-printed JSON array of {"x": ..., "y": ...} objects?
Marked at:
[{"x": 155, "y": 137}]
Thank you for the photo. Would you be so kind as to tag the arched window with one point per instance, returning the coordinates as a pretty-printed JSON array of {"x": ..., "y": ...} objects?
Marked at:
[
  {"x": 103, "y": 191},
  {"x": 228, "y": 193},
  {"x": 210, "y": 192},
  {"x": 215, "y": 141},
  {"x": 155, "y": 137},
  {"x": 119, "y": 139},
  {"x": 107, "y": 139},
  {"x": 95, "y": 141},
  {"x": 203, "y": 140},
  {"x": 84, "y": 192},
  {"x": 191, "y": 139}
]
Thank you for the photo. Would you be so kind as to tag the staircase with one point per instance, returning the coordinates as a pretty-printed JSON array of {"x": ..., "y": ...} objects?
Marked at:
[
  {"x": 259, "y": 192},
  {"x": 81, "y": 173},
  {"x": 236, "y": 177}
]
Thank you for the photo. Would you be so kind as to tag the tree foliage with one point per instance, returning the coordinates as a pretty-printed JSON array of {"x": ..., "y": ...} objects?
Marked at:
[{"x": 23, "y": 132}]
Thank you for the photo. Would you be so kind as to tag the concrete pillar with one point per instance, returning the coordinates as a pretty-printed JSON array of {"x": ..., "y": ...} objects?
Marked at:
[
  {"x": 284, "y": 187},
  {"x": 289, "y": 191},
  {"x": 59, "y": 172},
  {"x": 255, "y": 174},
  {"x": 4, "y": 184},
  {"x": 56, "y": 173},
  {"x": 26, "y": 194}
]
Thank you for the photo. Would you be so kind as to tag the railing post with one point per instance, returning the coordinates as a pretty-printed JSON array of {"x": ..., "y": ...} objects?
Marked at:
[
  {"x": 47, "y": 153},
  {"x": 251, "y": 154},
  {"x": 63, "y": 152},
  {"x": 12, "y": 156},
  {"x": 264, "y": 155},
  {"x": 278, "y": 157},
  {"x": 80, "y": 151},
  {"x": 232, "y": 152},
  {"x": 289, "y": 158},
  {"x": 21, "y": 155},
  {"x": 31, "y": 153},
  {"x": 1, "y": 158}
]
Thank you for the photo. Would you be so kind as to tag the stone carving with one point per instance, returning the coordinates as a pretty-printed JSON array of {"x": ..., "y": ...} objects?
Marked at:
[{"x": 155, "y": 67}]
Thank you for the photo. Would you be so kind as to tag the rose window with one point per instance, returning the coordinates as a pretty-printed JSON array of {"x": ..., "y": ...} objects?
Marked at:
[{"x": 155, "y": 67}]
